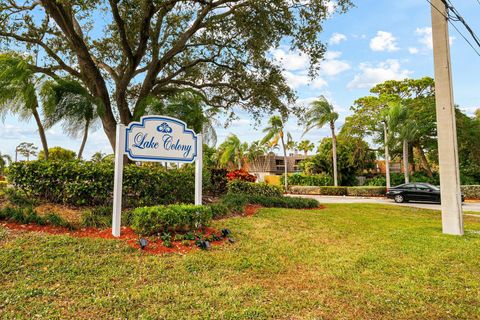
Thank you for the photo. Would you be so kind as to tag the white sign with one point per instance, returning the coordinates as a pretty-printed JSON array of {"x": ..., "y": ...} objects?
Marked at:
[
  {"x": 155, "y": 138},
  {"x": 159, "y": 138}
]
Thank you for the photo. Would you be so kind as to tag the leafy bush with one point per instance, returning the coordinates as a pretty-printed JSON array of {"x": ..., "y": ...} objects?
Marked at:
[
  {"x": 3, "y": 185},
  {"x": 235, "y": 202},
  {"x": 376, "y": 181},
  {"x": 241, "y": 175},
  {"x": 58, "y": 154},
  {"x": 20, "y": 198},
  {"x": 251, "y": 188},
  {"x": 471, "y": 191},
  {"x": 398, "y": 178},
  {"x": 219, "y": 210},
  {"x": 298, "y": 179},
  {"x": 218, "y": 181},
  {"x": 238, "y": 201},
  {"x": 29, "y": 215},
  {"x": 326, "y": 190},
  {"x": 151, "y": 220},
  {"x": 333, "y": 191},
  {"x": 91, "y": 183},
  {"x": 367, "y": 191}
]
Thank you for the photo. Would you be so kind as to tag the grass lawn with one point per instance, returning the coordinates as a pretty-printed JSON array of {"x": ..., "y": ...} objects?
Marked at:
[{"x": 346, "y": 261}]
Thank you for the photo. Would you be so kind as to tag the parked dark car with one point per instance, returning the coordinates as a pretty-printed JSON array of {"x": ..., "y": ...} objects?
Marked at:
[{"x": 415, "y": 192}]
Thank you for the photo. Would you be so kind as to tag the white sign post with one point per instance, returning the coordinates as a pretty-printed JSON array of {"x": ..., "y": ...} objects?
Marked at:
[{"x": 155, "y": 138}]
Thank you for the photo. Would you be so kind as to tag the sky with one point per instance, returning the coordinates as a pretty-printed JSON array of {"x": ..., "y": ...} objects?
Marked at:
[{"x": 373, "y": 42}]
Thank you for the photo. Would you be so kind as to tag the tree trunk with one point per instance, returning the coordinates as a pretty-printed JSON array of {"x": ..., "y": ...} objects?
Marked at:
[
  {"x": 387, "y": 155},
  {"x": 334, "y": 155},
  {"x": 406, "y": 171},
  {"x": 41, "y": 131},
  {"x": 84, "y": 140},
  {"x": 285, "y": 164},
  {"x": 424, "y": 161}
]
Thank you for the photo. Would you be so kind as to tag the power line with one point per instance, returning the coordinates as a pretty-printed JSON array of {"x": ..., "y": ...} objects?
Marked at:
[
  {"x": 455, "y": 27},
  {"x": 459, "y": 17}
]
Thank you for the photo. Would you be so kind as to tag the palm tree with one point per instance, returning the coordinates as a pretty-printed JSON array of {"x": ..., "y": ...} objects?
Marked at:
[
  {"x": 306, "y": 146},
  {"x": 274, "y": 133},
  {"x": 406, "y": 130},
  {"x": 5, "y": 160},
  {"x": 321, "y": 113},
  {"x": 68, "y": 102},
  {"x": 18, "y": 86},
  {"x": 291, "y": 144},
  {"x": 232, "y": 150}
]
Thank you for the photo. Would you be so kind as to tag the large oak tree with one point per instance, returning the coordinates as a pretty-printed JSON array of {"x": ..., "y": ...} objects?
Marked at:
[{"x": 127, "y": 51}]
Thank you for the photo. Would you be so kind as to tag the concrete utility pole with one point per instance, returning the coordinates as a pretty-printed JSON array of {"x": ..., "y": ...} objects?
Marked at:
[{"x": 452, "y": 219}]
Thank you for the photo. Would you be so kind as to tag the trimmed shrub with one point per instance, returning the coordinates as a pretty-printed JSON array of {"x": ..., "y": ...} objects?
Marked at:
[
  {"x": 238, "y": 201},
  {"x": 333, "y": 191},
  {"x": 327, "y": 191},
  {"x": 88, "y": 183},
  {"x": 299, "y": 179},
  {"x": 242, "y": 175},
  {"x": 251, "y": 188},
  {"x": 275, "y": 180},
  {"x": 235, "y": 202},
  {"x": 471, "y": 192},
  {"x": 284, "y": 202},
  {"x": 368, "y": 191},
  {"x": 152, "y": 220},
  {"x": 219, "y": 210}
]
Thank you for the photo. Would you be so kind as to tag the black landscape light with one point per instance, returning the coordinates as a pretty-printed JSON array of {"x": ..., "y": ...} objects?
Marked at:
[
  {"x": 204, "y": 245},
  {"x": 143, "y": 243},
  {"x": 226, "y": 232}
]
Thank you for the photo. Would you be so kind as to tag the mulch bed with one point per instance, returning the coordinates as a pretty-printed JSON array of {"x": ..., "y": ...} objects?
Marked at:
[{"x": 155, "y": 244}]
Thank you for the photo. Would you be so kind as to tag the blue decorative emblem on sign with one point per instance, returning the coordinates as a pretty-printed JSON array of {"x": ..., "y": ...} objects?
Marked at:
[{"x": 160, "y": 138}]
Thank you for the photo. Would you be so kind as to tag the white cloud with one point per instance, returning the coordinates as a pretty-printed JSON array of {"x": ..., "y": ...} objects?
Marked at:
[
  {"x": 290, "y": 60},
  {"x": 296, "y": 80},
  {"x": 413, "y": 50},
  {"x": 337, "y": 38},
  {"x": 384, "y": 41},
  {"x": 331, "y": 66},
  {"x": 424, "y": 36},
  {"x": 241, "y": 122},
  {"x": 374, "y": 74}
]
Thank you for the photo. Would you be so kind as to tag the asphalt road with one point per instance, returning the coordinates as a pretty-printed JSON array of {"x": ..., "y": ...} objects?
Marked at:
[{"x": 467, "y": 206}]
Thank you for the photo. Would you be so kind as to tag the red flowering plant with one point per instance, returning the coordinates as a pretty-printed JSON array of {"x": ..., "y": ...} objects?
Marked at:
[{"x": 241, "y": 175}]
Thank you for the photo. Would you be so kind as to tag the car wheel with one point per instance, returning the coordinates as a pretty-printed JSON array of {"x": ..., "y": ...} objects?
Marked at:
[{"x": 399, "y": 198}]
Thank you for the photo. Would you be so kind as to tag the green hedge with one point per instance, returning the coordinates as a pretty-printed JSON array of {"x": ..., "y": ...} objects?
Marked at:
[
  {"x": 88, "y": 183},
  {"x": 368, "y": 191},
  {"x": 151, "y": 220},
  {"x": 298, "y": 179},
  {"x": 252, "y": 188},
  {"x": 471, "y": 192},
  {"x": 237, "y": 202}
]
